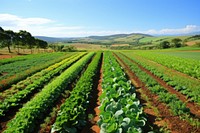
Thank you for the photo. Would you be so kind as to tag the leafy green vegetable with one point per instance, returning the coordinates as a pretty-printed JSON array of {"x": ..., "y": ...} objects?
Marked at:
[
  {"x": 72, "y": 115},
  {"x": 120, "y": 110}
]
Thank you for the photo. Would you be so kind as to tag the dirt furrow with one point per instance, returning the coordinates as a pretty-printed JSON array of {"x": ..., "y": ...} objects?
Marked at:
[{"x": 194, "y": 108}]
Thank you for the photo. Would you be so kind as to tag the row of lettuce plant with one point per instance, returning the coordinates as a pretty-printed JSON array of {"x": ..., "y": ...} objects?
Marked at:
[
  {"x": 120, "y": 110},
  {"x": 72, "y": 115},
  {"x": 187, "y": 86},
  {"x": 177, "y": 107},
  {"x": 33, "y": 111},
  {"x": 14, "y": 72},
  {"x": 35, "y": 82},
  {"x": 187, "y": 66}
]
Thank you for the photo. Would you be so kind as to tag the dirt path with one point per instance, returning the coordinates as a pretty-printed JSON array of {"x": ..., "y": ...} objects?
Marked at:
[
  {"x": 194, "y": 108},
  {"x": 7, "y": 56},
  {"x": 174, "y": 124},
  {"x": 95, "y": 128}
]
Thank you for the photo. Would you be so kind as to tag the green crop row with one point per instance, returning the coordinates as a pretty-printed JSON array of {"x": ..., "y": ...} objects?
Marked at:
[
  {"x": 14, "y": 72},
  {"x": 72, "y": 115},
  {"x": 33, "y": 111},
  {"x": 187, "y": 66},
  {"x": 11, "y": 60},
  {"x": 53, "y": 69},
  {"x": 188, "y": 87},
  {"x": 28, "y": 57},
  {"x": 176, "y": 106},
  {"x": 120, "y": 110},
  {"x": 35, "y": 82}
]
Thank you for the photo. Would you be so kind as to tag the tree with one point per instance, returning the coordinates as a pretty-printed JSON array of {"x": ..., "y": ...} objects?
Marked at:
[
  {"x": 69, "y": 48},
  {"x": 17, "y": 41},
  {"x": 164, "y": 44},
  {"x": 6, "y": 38},
  {"x": 57, "y": 47},
  {"x": 27, "y": 39},
  {"x": 176, "y": 42},
  {"x": 1, "y": 29},
  {"x": 9, "y": 38},
  {"x": 41, "y": 43}
]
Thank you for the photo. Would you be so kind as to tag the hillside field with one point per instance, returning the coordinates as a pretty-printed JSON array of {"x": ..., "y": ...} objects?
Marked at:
[{"x": 101, "y": 91}]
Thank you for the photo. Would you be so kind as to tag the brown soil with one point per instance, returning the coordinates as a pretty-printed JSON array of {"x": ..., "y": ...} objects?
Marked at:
[
  {"x": 194, "y": 108},
  {"x": 7, "y": 56},
  {"x": 174, "y": 124},
  {"x": 95, "y": 128}
]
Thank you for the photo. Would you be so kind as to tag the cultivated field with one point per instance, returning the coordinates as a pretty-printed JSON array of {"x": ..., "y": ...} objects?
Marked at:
[{"x": 108, "y": 92}]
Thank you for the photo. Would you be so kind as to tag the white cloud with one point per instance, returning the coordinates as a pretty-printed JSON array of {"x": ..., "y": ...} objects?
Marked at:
[
  {"x": 48, "y": 27},
  {"x": 13, "y": 20},
  {"x": 168, "y": 31},
  {"x": 36, "y": 26}
]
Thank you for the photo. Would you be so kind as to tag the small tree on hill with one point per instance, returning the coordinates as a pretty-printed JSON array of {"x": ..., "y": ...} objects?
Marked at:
[
  {"x": 69, "y": 48},
  {"x": 41, "y": 44},
  {"x": 164, "y": 44},
  {"x": 27, "y": 39},
  {"x": 176, "y": 42},
  {"x": 6, "y": 38}
]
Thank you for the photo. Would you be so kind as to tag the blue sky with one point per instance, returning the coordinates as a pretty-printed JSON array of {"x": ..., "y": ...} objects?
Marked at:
[{"x": 77, "y": 18}]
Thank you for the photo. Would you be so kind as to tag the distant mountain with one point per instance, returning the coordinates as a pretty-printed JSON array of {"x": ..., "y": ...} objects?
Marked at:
[
  {"x": 194, "y": 33},
  {"x": 105, "y": 39},
  {"x": 115, "y": 39},
  {"x": 132, "y": 39},
  {"x": 115, "y": 36},
  {"x": 54, "y": 39}
]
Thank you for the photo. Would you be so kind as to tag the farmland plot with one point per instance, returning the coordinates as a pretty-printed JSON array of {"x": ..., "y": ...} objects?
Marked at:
[
  {"x": 177, "y": 104},
  {"x": 16, "y": 69},
  {"x": 138, "y": 95}
]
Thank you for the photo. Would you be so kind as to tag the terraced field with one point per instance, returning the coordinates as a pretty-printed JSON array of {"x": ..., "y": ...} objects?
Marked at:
[{"x": 106, "y": 92}]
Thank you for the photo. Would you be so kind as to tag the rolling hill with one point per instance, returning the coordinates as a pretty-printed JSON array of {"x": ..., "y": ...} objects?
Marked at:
[{"x": 132, "y": 39}]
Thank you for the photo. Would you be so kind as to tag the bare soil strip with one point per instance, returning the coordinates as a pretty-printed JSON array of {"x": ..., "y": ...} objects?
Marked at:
[
  {"x": 95, "y": 128},
  {"x": 7, "y": 56},
  {"x": 174, "y": 124},
  {"x": 194, "y": 108}
]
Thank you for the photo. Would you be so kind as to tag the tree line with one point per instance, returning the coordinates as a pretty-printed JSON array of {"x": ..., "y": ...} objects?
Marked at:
[
  {"x": 21, "y": 39},
  {"x": 175, "y": 43}
]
